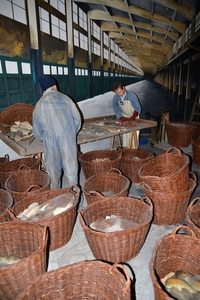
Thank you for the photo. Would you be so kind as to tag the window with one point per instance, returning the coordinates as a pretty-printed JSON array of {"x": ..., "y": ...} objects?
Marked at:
[
  {"x": 82, "y": 19},
  {"x": 59, "y": 5},
  {"x": 26, "y": 68},
  {"x": 58, "y": 28},
  {"x": 95, "y": 48},
  {"x": 11, "y": 67},
  {"x": 14, "y": 9},
  {"x": 75, "y": 13},
  {"x": 105, "y": 53},
  {"x": 44, "y": 20},
  {"x": 95, "y": 30},
  {"x": 76, "y": 38},
  {"x": 105, "y": 39},
  {"x": 83, "y": 42}
]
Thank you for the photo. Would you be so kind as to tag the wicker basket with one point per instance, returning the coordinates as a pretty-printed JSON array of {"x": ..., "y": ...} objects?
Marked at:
[
  {"x": 196, "y": 151},
  {"x": 170, "y": 208},
  {"x": 24, "y": 182},
  {"x": 16, "y": 112},
  {"x": 4, "y": 159},
  {"x": 119, "y": 246},
  {"x": 168, "y": 172},
  {"x": 6, "y": 200},
  {"x": 8, "y": 168},
  {"x": 91, "y": 167},
  {"x": 179, "y": 134},
  {"x": 112, "y": 181},
  {"x": 83, "y": 280},
  {"x": 174, "y": 252},
  {"x": 27, "y": 241},
  {"x": 132, "y": 160},
  {"x": 60, "y": 226},
  {"x": 193, "y": 216}
]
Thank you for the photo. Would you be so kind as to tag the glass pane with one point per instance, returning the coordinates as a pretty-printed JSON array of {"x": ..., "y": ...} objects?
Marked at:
[
  {"x": 26, "y": 68},
  {"x": 11, "y": 67}
]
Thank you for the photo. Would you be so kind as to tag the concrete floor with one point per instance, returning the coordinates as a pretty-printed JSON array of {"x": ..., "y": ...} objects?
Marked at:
[{"x": 77, "y": 249}]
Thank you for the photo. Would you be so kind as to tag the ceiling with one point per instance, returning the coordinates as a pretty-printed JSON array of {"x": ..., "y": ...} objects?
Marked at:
[{"x": 145, "y": 30}]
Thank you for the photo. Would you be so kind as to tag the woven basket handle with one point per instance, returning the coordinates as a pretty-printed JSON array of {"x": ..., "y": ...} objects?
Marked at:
[
  {"x": 193, "y": 202},
  {"x": 75, "y": 189},
  {"x": 96, "y": 194},
  {"x": 148, "y": 201},
  {"x": 151, "y": 155},
  {"x": 175, "y": 231},
  {"x": 24, "y": 167},
  {"x": 119, "y": 150},
  {"x": 194, "y": 176},
  {"x": 79, "y": 154},
  {"x": 114, "y": 170},
  {"x": 174, "y": 148},
  {"x": 33, "y": 186},
  {"x": 128, "y": 283},
  {"x": 6, "y": 157},
  {"x": 12, "y": 215}
]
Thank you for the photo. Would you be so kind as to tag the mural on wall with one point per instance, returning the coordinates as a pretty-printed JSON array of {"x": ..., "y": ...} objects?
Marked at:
[
  {"x": 14, "y": 38},
  {"x": 81, "y": 57},
  {"x": 53, "y": 49}
]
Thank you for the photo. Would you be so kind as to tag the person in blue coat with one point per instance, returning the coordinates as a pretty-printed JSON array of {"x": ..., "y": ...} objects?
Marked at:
[
  {"x": 126, "y": 104},
  {"x": 56, "y": 122}
]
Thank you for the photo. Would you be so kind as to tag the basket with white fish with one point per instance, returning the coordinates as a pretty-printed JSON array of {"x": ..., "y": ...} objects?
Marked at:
[
  {"x": 175, "y": 266},
  {"x": 23, "y": 249},
  {"x": 56, "y": 209},
  {"x": 116, "y": 227},
  {"x": 110, "y": 184},
  {"x": 16, "y": 121}
]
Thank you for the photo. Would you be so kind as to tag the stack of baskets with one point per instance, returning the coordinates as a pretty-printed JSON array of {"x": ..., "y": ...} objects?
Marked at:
[
  {"x": 99, "y": 161},
  {"x": 173, "y": 252},
  {"x": 117, "y": 246},
  {"x": 132, "y": 160},
  {"x": 180, "y": 134},
  {"x": 83, "y": 280},
  {"x": 60, "y": 226},
  {"x": 10, "y": 167},
  {"x": 24, "y": 182},
  {"x": 112, "y": 182},
  {"x": 196, "y": 146},
  {"x": 167, "y": 181},
  {"x": 27, "y": 241}
]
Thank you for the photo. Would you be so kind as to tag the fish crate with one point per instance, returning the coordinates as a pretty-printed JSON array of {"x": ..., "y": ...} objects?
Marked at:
[
  {"x": 10, "y": 167},
  {"x": 15, "y": 112},
  {"x": 179, "y": 250},
  {"x": 168, "y": 172},
  {"x": 193, "y": 216},
  {"x": 118, "y": 246},
  {"x": 60, "y": 226},
  {"x": 171, "y": 208},
  {"x": 6, "y": 201},
  {"x": 99, "y": 161},
  {"x": 83, "y": 280},
  {"x": 132, "y": 160},
  {"x": 25, "y": 182},
  {"x": 28, "y": 241},
  {"x": 112, "y": 182},
  {"x": 179, "y": 134}
]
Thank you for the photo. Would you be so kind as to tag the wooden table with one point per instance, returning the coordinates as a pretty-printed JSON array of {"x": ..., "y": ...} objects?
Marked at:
[{"x": 90, "y": 132}]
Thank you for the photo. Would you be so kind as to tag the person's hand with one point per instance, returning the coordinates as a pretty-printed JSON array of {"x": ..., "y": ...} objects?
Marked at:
[{"x": 134, "y": 116}]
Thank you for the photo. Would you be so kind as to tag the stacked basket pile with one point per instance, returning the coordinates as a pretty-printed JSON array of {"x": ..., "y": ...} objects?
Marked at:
[
  {"x": 167, "y": 181},
  {"x": 196, "y": 146}
]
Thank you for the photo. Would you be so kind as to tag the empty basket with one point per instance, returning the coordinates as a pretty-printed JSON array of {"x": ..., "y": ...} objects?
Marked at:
[
  {"x": 99, "y": 161},
  {"x": 113, "y": 183},
  {"x": 118, "y": 246},
  {"x": 173, "y": 252},
  {"x": 83, "y": 280},
  {"x": 193, "y": 216},
  {"x": 196, "y": 151},
  {"x": 22, "y": 183},
  {"x": 61, "y": 226},
  {"x": 27, "y": 241}
]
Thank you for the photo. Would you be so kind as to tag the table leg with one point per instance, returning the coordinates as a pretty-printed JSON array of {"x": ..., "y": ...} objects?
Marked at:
[{"x": 133, "y": 136}]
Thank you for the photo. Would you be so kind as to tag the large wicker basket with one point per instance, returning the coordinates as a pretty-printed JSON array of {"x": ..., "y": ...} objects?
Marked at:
[
  {"x": 132, "y": 160},
  {"x": 112, "y": 181},
  {"x": 24, "y": 182},
  {"x": 16, "y": 112},
  {"x": 4, "y": 159},
  {"x": 170, "y": 208},
  {"x": 83, "y": 280},
  {"x": 61, "y": 226},
  {"x": 108, "y": 159},
  {"x": 196, "y": 151},
  {"x": 193, "y": 216},
  {"x": 179, "y": 134},
  {"x": 6, "y": 200},
  {"x": 118, "y": 246},
  {"x": 8, "y": 168},
  {"x": 173, "y": 252},
  {"x": 168, "y": 172},
  {"x": 27, "y": 241}
]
